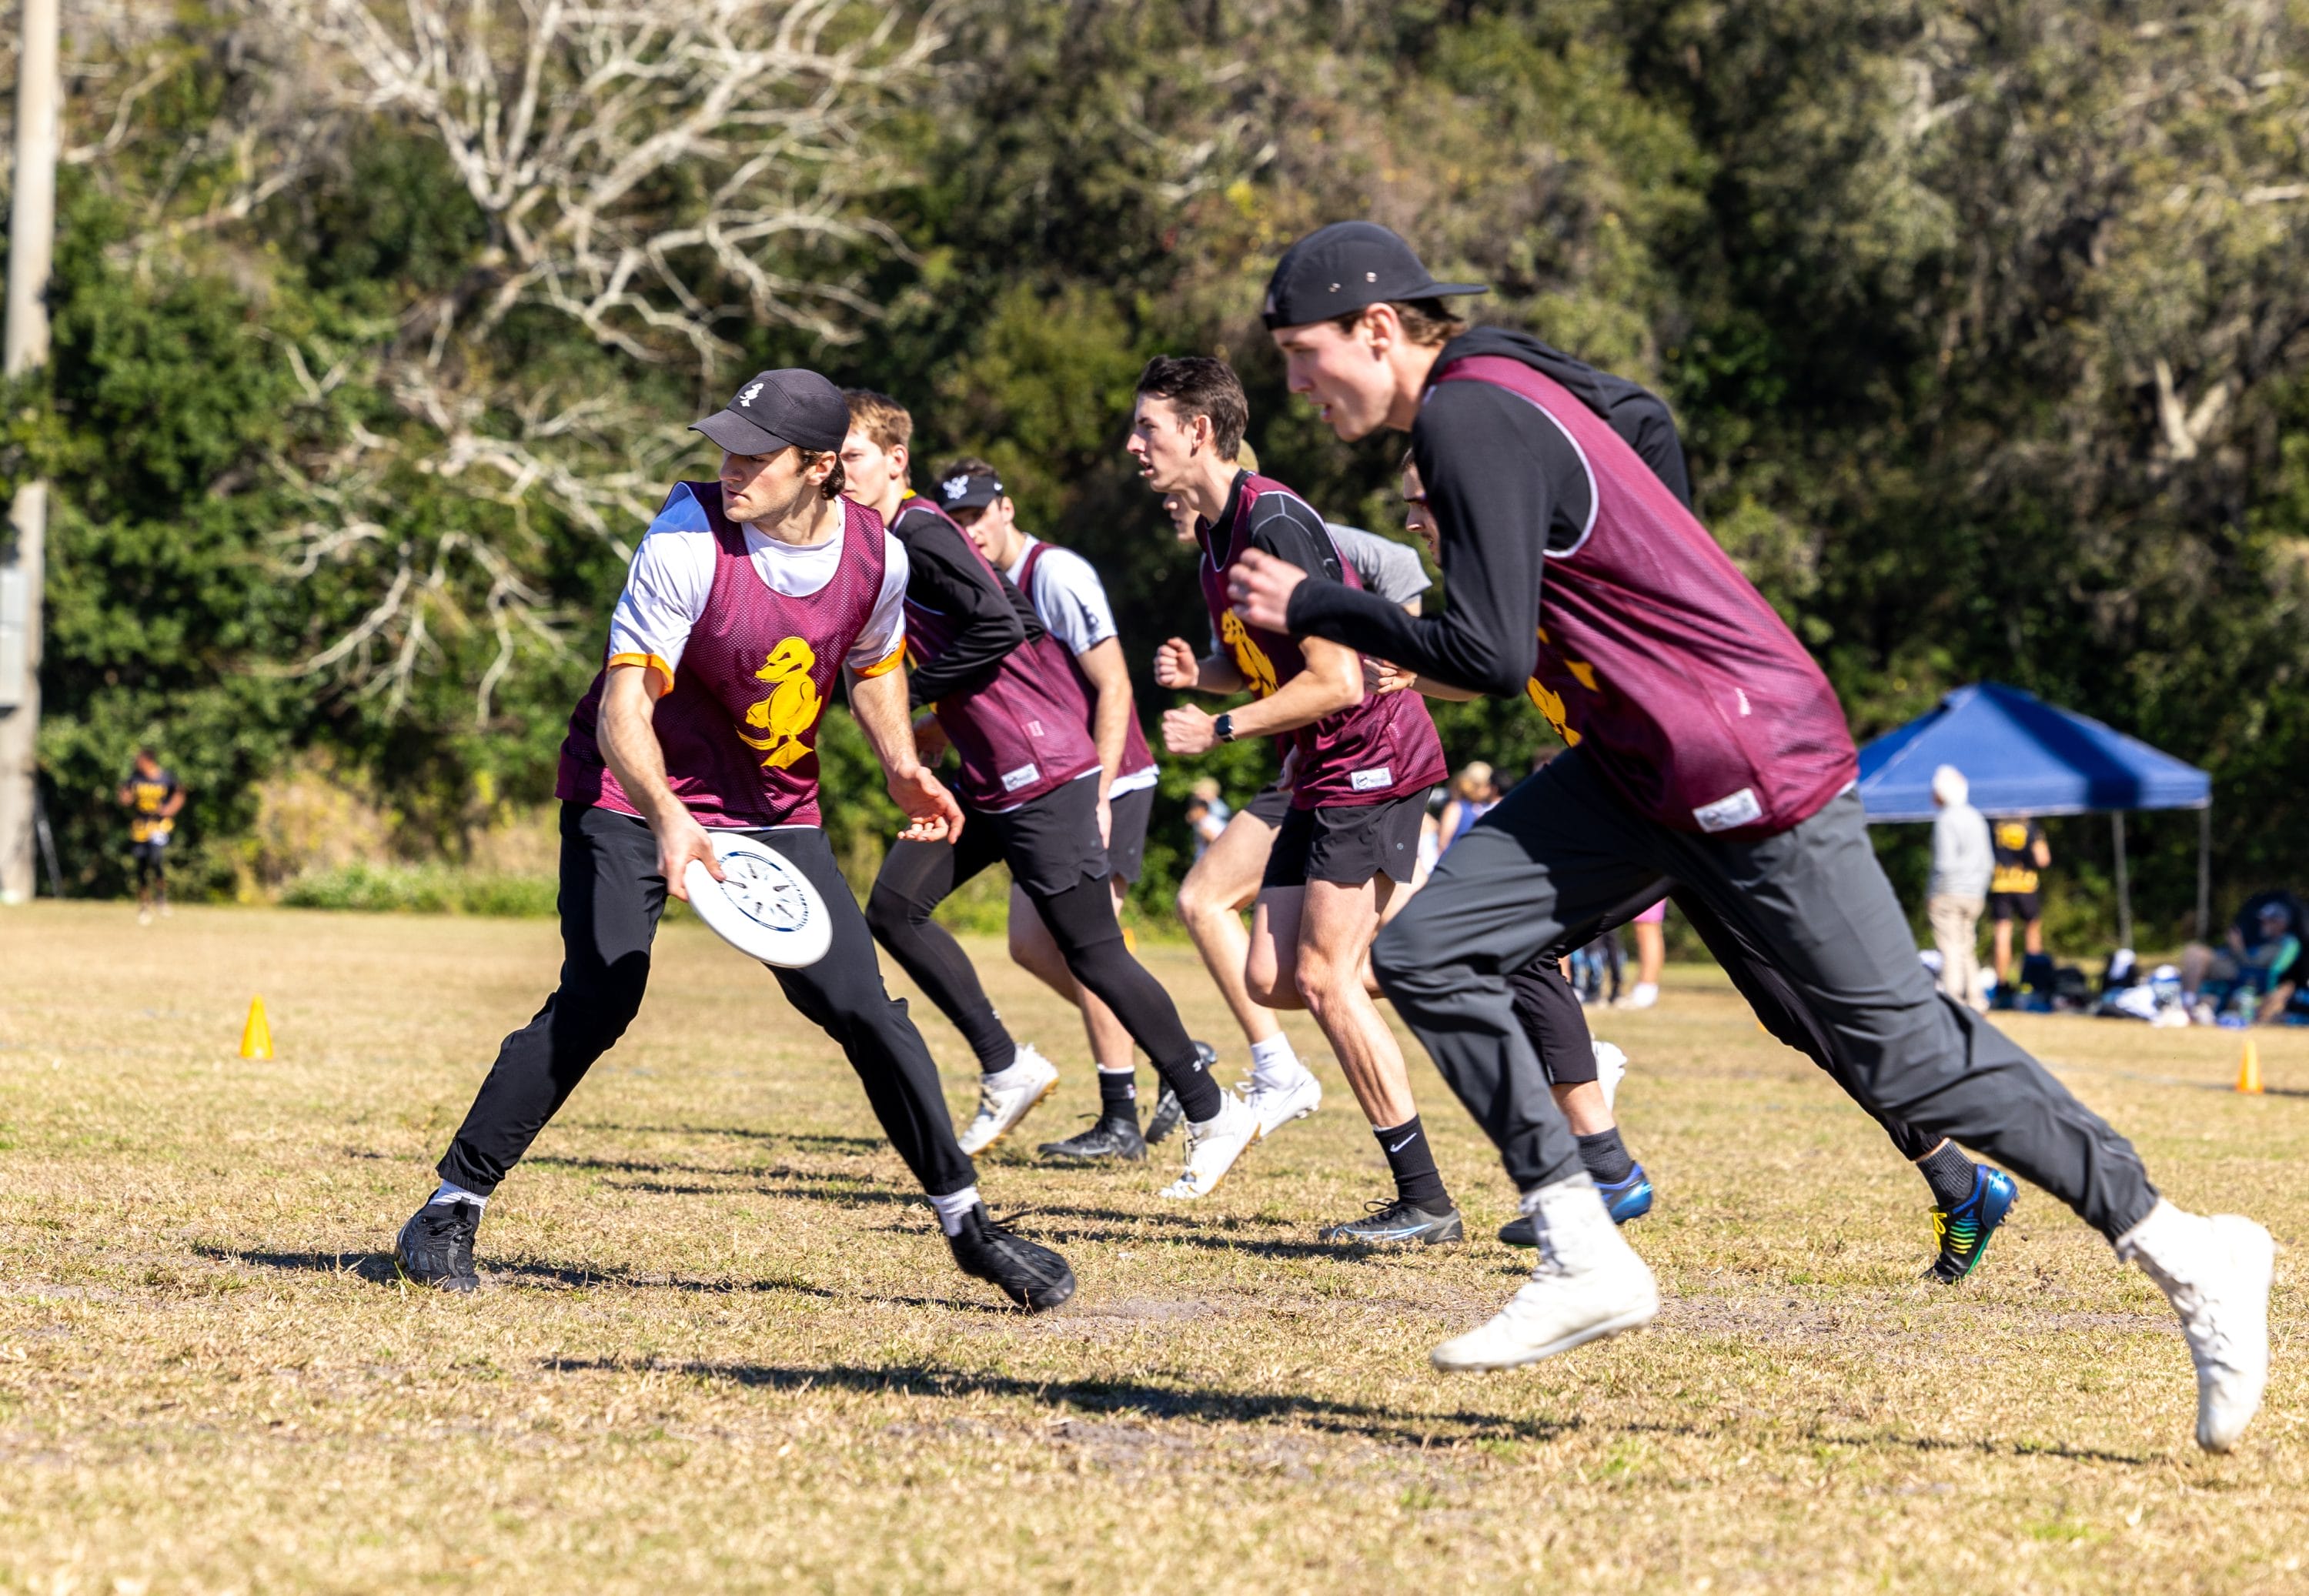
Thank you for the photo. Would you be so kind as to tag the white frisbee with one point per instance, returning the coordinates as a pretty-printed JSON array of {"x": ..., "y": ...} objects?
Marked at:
[{"x": 762, "y": 907}]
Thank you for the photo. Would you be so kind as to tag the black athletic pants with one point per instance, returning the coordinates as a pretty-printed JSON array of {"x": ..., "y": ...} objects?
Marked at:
[
  {"x": 1052, "y": 848},
  {"x": 1564, "y": 853},
  {"x": 612, "y": 896}
]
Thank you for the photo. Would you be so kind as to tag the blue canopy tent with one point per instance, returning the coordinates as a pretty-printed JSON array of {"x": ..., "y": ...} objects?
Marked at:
[{"x": 2024, "y": 757}]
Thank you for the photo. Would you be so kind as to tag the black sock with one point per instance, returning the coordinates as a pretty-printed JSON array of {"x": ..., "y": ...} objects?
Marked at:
[
  {"x": 1198, "y": 1094},
  {"x": 1411, "y": 1161},
  {"x": 1948, "y": 1172},
  {"x": 1118, "y": 1094},
  {"x": 1606, "y": 1157}
]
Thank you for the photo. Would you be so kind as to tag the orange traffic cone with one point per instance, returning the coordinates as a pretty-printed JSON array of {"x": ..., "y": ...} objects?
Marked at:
[
  {"x": 2249, "y": 1068},
  {"x": 256, "y": 1036}
]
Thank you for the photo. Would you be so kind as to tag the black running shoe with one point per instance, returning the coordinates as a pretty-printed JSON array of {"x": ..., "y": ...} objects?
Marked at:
[
  {"x": 1034, "y": 1277},
  {"x": 1397, "y": 1223},
  {"x": 436, "y": 1246},
  {"x": 1168, "y": 1111},
  {"x": 1114, "y": 1136}
]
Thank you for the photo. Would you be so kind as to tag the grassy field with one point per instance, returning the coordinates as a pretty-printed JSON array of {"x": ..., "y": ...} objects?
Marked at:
[{"x": 722, "y": 1345}]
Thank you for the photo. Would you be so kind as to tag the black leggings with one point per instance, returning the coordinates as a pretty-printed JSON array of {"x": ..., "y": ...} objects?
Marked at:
[
  {"x": 612, "y": 896},
  {"x": 1067, "y": 882}
]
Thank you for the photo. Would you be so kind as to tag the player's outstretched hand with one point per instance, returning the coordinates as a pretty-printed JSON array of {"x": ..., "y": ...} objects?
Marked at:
[
  {"x": 1187, "y": 730},
  {"x": 1380, "y": 677},
  {"x": 1175, "y": 665},
  {"x": 679, "y": 839},
  {"x": 1259, "y": 586},
  {"x": 932, "y": 815}
]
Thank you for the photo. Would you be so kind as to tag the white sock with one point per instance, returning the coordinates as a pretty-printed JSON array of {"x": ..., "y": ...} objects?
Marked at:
[
  {"x": 450, "y": 1192},
  {"x": 1272, "y": 1057},
  {"x": 952, "y": 1207}
]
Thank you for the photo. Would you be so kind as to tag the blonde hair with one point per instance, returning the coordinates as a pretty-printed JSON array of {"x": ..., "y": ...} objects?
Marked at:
[
  {"x": 880, "y": 418},
  {"x": 1474, "y": 773}
]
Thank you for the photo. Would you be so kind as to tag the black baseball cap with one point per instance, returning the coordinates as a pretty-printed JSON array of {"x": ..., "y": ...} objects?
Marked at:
[
  {"x": 1344, "y": 267},
  {"x": 776, "y": 408},
  {"x": 969, "y": 490}
]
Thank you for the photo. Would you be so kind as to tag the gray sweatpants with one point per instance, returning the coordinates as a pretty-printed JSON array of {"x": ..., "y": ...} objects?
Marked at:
[{"x": 1564, "y": 853}]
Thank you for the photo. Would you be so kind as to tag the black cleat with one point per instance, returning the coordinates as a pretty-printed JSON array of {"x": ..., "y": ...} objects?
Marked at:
[
  {"x": 1397, "y": 1223},
  {"x": 436, "y": 1246},
  {"x": 1167, "y": 1110},
  {"x": 1114, "y": 1136},
  {"x": 1034, "y": 1277}
]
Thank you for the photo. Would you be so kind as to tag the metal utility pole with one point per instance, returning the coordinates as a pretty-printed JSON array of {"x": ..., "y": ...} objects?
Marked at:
[{"x": 31, "y": 242}]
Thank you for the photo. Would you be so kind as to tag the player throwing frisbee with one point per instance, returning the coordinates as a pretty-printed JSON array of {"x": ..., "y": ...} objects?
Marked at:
[
  {"x": 1707, "y": 750},
  {"x": 748, "y": 599}
]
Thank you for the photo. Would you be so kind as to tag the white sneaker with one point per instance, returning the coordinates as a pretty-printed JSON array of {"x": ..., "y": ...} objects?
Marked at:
[
  {"x": 1643, "y": 994},
  {"x": 1589, "y": 1284},
  {"x": 1213, "y": 1147},
  {"x": 2217, "y": 1273},
  {"x": 1611, "y": 1064},
  {"x": 1291, "y": 1094},
  {"x": 1005, "y": 1097}
]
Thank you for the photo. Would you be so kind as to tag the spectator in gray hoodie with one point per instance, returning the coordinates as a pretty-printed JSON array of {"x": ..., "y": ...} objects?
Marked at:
[{"x": 1963, "y": 859}]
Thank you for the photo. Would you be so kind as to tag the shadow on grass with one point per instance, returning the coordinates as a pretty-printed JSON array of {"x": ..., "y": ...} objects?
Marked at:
[
  {"x": 1123, "y": 1397},
  {"x": 377, "y": 1268},
  {"x": 1138, "y": 1399},
  {"x": 814, "y": 1140}
]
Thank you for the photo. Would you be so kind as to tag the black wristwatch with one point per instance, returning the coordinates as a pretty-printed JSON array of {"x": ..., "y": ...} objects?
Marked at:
[{"x": 1223, "y": 726}]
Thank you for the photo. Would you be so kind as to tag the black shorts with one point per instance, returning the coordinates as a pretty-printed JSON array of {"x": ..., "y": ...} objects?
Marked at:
[
  {"x": 2016, "y": 906},
  {"x": 154, "y": 853},
  {"x": 1050, "y": 843},
  {"x": 1348, "y": 846},
  {"x": 1270, "y": 807},
  {"x": 1125, "y": 834}
]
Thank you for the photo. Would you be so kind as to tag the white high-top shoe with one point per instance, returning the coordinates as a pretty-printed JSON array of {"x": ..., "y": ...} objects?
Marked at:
[
  {"x": 1005, "y": 1097},
  {"x": 1588, "y": 1284},
  {"x": 1610, "y": 1068},
  {"x": 1292, "y": 1093},
  {"x": 2216, "y": 1271},
  {"x": 1213, "y": 1146}
]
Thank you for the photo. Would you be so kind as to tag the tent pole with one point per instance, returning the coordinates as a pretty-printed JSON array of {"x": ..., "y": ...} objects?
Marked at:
[
  {"x": 2205, "y": 871},
  {"x": 2124, "y": 886}
]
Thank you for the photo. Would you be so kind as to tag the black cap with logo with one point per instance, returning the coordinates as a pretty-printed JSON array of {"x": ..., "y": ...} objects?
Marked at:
[
  {"x": 1344, "y": 267},
  {"x": 778, "y": 408},
  {"x": 969, "y": 490}
]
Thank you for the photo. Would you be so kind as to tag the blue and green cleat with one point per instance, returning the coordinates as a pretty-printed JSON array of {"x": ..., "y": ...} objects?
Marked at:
[
  {"x": 1964, "y": 1231},
  {"x": 1624, "y": 1200}
]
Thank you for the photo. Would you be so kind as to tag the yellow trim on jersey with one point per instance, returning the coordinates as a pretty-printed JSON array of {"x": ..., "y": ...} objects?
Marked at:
[
  {"x": 651, "y": 661},
  {"x": 885, "y": 667}
]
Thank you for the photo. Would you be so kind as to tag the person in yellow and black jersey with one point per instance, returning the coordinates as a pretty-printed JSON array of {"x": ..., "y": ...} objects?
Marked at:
[
  {"x": 154, "y": 797},
  {"x": 2021, "y": 851}
]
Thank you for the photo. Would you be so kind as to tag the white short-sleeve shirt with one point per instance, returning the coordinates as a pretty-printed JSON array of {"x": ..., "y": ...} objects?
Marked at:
[{"x": 672, "y": 577}]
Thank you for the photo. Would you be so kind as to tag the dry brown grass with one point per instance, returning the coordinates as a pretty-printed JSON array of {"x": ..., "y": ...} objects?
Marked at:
[{"x": 721, "y": 1346}]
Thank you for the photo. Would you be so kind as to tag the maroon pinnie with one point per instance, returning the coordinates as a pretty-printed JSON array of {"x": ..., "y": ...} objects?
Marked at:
[
  {"x": 1024, "y": 730},
  {"x": 1658, "y": 655},
  {"x": 1384, "y": 747},
  {"x": 740, "y": 726},
  {"x": 1137, "y": 757}
]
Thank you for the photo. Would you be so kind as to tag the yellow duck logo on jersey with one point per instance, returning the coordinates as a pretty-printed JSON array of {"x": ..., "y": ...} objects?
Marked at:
[
  {"x": 790, "y": 711},
  {"x": 1257, "y": 669},
  {"x": 1550, "y": 702}
]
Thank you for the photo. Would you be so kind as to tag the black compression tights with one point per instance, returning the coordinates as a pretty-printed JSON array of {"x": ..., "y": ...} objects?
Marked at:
[{"x": 1081, "y": 921}]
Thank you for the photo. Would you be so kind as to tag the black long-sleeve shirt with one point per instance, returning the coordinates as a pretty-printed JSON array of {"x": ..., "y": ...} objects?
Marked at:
[
  {"x": 1505, "y": 484},
  {"x": 947, "y": 574}
]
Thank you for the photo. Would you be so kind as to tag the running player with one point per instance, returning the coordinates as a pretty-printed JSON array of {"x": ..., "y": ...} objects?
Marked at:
[
  {"x": 154, "y": 798},
  {"x": 746, "y": 600},
  {"x": 1223, "y": 885},
  {"x": 1970, "y": 1200},
  {"x": 1070, "y": 602},
  {"x": 1706, "y": 749},
  {"x": 1360, "y": 769},
  {"x": 999, "y": 691}
]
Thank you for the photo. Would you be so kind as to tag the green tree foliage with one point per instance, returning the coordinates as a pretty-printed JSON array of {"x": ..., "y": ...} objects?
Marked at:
[{"x": 1986, "y": 323}]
